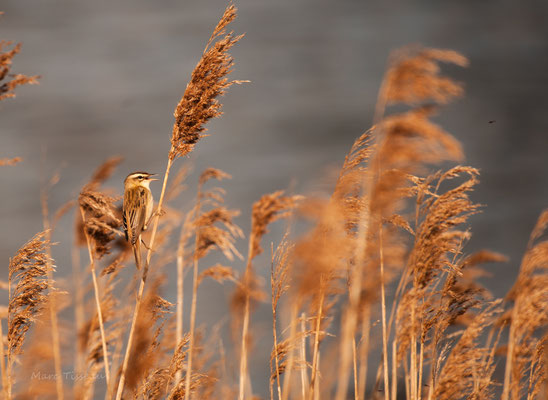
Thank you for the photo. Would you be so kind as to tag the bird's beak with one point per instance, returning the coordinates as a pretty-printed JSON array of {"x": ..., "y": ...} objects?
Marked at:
[{"x": 152, "y": 179}]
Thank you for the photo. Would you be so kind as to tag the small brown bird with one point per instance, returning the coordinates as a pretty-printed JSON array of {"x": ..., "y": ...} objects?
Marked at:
[{"x": 137, "y": 209}]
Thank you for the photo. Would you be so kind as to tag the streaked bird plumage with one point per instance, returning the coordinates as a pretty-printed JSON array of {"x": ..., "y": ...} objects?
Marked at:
[{"x": 137, "y": 209}]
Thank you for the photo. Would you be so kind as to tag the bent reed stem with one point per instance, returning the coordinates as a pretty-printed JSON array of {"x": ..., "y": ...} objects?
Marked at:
[{"x": 97, "y": 301}]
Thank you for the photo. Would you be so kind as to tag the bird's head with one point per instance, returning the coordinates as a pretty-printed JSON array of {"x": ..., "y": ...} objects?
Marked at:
[{"x": 138, "y": 178}]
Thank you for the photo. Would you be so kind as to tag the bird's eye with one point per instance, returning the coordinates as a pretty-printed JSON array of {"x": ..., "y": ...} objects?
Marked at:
[{"x": 140, "y": 177}]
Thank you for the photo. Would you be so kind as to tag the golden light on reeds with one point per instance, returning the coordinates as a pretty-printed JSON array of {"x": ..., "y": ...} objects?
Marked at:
[{"x": 381, "y": 261}]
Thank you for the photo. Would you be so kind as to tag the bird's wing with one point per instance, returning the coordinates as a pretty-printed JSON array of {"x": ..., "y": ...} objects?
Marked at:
[{"x": 134, "y": 213}]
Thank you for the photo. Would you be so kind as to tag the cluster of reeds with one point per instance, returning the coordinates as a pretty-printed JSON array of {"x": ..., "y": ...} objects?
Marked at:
[{"x": 381, "y": 265}]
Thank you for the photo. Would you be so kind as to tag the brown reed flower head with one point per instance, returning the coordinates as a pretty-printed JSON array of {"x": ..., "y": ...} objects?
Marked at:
[
  {"x": 414, "y": 76},
  {"x": 322, "y": 254},
  {"x": 530, "y": 296},
  {"x": 215, "y": 227},
  {"x": 412, "y": 140},
  {"x": 218, "y": 272},
  {"x": 8, "y": 82},
  {"x": 438, "y": 242},
  {"x": 269, "y": 208},
  {"x": 208, "y": 81},
  {"x": 10, "y": 161},
  {"x": 467, "y": 370},
  {"x": 100, "y": 175},
  {"x": 28, "y": 273},
  {"x": 103, "y": 172},
  {"x": 210, "y": 235},
  {"x": 102, "y": 221},
  {"x": 349, "y": 186},
  {"x": 159, "y": 378}
]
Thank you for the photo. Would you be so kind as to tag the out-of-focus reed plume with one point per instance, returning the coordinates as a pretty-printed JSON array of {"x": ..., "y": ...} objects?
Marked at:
[
  {"x": 28, "y": 289},
  {"x": 8, "y": 82}
]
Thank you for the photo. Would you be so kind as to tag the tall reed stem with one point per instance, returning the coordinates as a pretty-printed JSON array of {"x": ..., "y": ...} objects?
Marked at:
[
  {"x": 2, "y": 366},
  {"x": 188, "y": 376},
  {"x": 316, "y": 344},
  {"x": 142, "y": 284},
  {"x": 291, "y": 359},
  {"x": 52, "y": 302},
  {"x": 355, "y": 369},
  {"x": 509, "y": 356},
  {"x": 413, "y": 367},
  {"x": 304, "y": 375},
  {"x": 97, "y": 302},
  {"x": 364, "y": 349},
  {"x": 245, "y": 326},
  {"x": 180, "y": 297},
  {"x": 383, "y": 308},
  {"x": 350, "y": 318},
  {"x": 275, "y": 334},
  {"x": 78, "y": 305},
  {"x": 9, "y": 361},
  {"x": 192, "y": 326},
  {"x": 394, "y": 389}
]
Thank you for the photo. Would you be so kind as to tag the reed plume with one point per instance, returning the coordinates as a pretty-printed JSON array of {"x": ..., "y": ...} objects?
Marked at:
[
  {"x": 8, "y": 82},
  {"x": 525, "y": 372},
  {"x": 405, "y": 143},
  {"x": 28, "y": 286},
  {"x": 214, "y": 228},
  {"x": 281, "y": 265},
  {"x": 208, "y": 81},
  {"x": 266, "y": 210}
]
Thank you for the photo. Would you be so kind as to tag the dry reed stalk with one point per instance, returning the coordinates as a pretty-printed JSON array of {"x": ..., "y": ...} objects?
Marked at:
[
  {"x": 186, "y": 233},
  {"x": 36, "y": 373},
  {"x": 100, "y": 223},
  {"x": 78, "y": 296},
  {"x": 316, "y": 346},
  {"x": 198, "y": 105},
  {"x": 348, "y": 194},
  {"x": 2, "y": 364},
  {"x": 52, "y": 300},
  {"x": 97, "y": 303},
  {"x": 466, "y": 362},
  {"x": 364, "y": 349},
  {"x": 279, "y": 275},
  {"x": 529, "y": 295},
  {"x": 289, "y": 348},
  {"x": 321, "y": 262},
  {"x": 433, "y": 241},
  {"x": 403, "y": 144},
  {"x": 266, "y": 210},
  {"x": 147, "y": 350},
  {"x": 438, "y": 286},
  {"x": 203, "y": 384},
  {"x": 208, "y": 236},
  {"x": 97, "y": 227},
  {"x": 355, "y": 368},
  {"x": 302, "y": 349},
  {"x": 93, "y": 340},
  {"x": 28, "y": 272},
  {"x": 159, "y": 378}
]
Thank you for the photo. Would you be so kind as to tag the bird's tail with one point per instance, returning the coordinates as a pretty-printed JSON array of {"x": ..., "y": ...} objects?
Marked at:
[{"x": 137, "y": 253}]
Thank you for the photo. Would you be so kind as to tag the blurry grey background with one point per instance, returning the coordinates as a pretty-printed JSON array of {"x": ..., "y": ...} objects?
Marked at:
[{"x": 113, "y": 71}]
